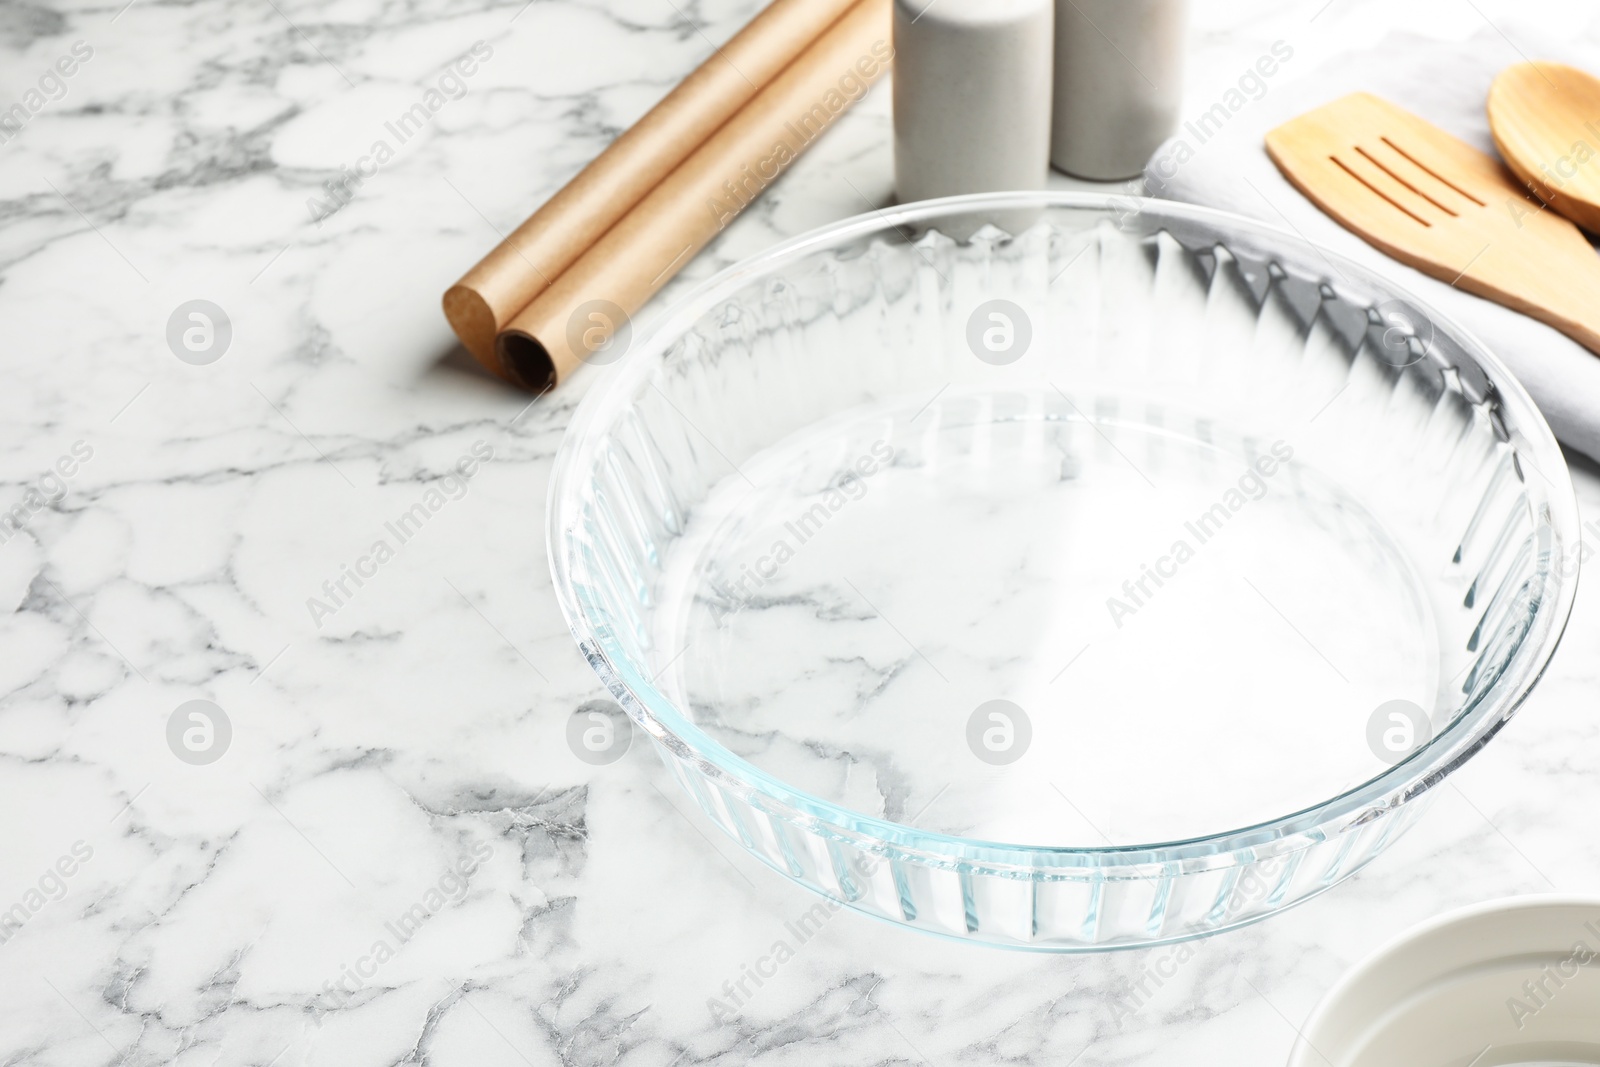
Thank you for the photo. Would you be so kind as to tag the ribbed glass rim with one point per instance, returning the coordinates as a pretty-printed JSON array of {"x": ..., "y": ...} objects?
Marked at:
[{"x": 631, "y": 683}]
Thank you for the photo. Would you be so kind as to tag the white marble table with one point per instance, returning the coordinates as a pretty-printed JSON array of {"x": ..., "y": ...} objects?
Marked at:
[{"x": 301, "y": 899}]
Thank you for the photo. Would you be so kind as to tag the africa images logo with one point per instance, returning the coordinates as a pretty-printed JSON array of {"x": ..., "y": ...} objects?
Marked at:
[
  {"x": 451, "y": 85},
  {"x": 1251, "y": 486}
]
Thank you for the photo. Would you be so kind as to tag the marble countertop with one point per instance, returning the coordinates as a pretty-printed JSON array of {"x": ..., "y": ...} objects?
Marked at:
[{"x": 394, "y": 857}]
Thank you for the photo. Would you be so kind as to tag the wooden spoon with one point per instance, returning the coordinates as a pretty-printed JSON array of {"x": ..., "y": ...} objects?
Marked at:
[
  {"x": 1443, "y": 207},
  {"x": 1546, "y": 122}
]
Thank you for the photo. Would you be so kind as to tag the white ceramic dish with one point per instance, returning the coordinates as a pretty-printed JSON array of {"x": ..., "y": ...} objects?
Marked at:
[{"x": 1510, "y": 982}]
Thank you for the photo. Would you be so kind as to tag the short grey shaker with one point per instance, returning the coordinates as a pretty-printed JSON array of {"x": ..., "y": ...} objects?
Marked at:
[
  {"x": 972, "y": 93},
  {"x": 1118, "y": 83}
]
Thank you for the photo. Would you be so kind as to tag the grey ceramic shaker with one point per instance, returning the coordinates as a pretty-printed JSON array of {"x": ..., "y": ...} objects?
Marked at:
[
  {"x": 1118, "y": 84},
  {"x": 972, "y": 91}
]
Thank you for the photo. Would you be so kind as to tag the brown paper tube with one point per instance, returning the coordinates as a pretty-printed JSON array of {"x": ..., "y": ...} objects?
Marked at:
[
  {"x": 593, "y": 299},
  {"x": 525, "y": 263}
]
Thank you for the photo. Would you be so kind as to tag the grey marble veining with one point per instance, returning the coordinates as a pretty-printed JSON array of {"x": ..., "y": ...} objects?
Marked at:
[{"x": 397, "y": 859}]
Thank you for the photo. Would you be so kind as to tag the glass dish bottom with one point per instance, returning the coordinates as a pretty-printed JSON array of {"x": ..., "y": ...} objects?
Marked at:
[{"x": 1025, "y": 589}]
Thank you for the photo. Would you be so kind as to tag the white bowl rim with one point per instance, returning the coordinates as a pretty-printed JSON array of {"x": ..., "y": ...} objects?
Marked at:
[{"x": 1372, "y": 965}]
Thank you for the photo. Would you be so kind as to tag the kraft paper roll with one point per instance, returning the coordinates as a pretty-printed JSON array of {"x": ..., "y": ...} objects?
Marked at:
[
  {"x": 534, "y": 255},
  {"x": 590, "y": 302}
]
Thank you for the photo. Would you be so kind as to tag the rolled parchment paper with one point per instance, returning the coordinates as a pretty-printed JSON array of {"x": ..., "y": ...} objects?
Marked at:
[
  {"x": 534, "y": 255},
  {"x": 580, "y": 316}
]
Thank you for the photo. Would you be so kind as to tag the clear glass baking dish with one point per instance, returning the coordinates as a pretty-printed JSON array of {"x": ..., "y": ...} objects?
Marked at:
[{"x": 1057, "y": 571}]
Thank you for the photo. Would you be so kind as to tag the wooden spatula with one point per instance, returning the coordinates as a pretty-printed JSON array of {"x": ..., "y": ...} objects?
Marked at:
[
  {"x": 1441, "y": 206},
  {"x": 1546, "y": 122}
]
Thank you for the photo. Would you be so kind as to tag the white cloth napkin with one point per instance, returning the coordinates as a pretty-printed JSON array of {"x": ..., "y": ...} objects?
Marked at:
[{"x": 1446, "y": 83}]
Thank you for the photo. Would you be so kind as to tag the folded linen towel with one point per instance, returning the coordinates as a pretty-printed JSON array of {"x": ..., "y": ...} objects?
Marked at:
[{"x": 1446, "y": 83}]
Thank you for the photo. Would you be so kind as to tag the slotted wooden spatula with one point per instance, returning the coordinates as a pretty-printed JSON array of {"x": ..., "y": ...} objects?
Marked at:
[{"x": 1443, "y": 207}]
